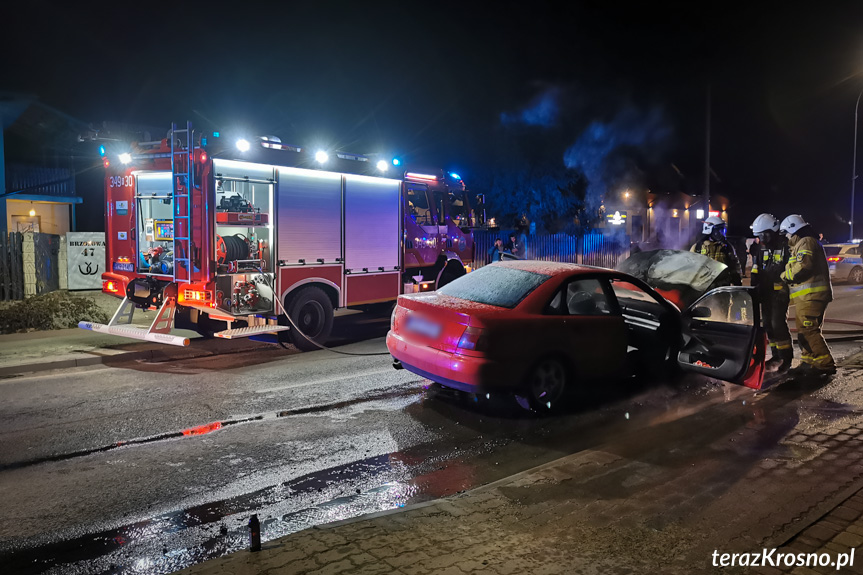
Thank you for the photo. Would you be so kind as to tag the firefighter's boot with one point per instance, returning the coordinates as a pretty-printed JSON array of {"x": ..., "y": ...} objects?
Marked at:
[
  {"x": 780, "y": 361},
  {"x": 785, "y": 358}
]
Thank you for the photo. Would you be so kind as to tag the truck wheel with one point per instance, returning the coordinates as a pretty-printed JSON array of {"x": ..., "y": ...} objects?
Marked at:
[
  {"x": 451, "y": 271},
  {"x": 311, "y": 312},
  {"x": 856, "y": 275}
]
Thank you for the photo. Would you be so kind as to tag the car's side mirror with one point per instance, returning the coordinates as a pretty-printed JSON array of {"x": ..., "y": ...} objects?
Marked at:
[{"x": 700, "y": 311}]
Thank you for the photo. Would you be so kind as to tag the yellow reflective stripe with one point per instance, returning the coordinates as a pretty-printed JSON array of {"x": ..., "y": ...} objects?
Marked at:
[
  {"x": 804, "y": 253},
  {"x": 783, "y": 345},
  {"x": 778, "y": 287},
  {"x": 777, "y": 258},
  {"x": 754, "y": 270},
  {"x": 805, "y": 291},
  {"x": 772, "y": 344}
]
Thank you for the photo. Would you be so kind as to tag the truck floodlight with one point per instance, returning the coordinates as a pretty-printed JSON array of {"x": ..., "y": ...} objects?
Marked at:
[
  {"x": 243, "y": 145},
  {"x": 382, "y": 166},
  {"x": 126, "y": 158},
  {"x": 322, "y": 157}
]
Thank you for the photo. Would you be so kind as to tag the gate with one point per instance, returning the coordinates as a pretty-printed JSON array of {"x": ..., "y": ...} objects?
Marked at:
[{"x": 11, "y": 266}]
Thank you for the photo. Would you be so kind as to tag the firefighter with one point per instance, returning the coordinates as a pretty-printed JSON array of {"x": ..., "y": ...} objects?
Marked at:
[
  {"x": 713, "y": 244},
  {"x": 768, "y": 264},
  {"x": 808, "y": 278}
]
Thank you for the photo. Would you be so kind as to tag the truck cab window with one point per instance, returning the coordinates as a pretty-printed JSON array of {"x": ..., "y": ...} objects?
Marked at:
[{"x": 418, "y": 205}]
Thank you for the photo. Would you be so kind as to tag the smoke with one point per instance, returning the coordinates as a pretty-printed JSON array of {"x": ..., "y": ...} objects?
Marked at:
[
  {"x": 543, "y": 110},
  {"x": 609, "y": 154}
]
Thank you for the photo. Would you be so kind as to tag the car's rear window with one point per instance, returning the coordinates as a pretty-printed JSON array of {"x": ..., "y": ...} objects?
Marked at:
[
  {"x": 831, "y": 250},
  {"x": 494, "y": 285}
]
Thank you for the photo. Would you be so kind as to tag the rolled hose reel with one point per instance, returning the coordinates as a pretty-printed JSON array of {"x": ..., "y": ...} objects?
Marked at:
[{"x": 231, "y": 248}]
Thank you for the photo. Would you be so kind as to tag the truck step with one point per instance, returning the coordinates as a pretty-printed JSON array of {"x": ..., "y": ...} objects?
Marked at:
[{"x": 250, "y": 331}]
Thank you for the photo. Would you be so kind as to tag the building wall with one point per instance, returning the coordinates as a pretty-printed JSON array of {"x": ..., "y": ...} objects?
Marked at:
[{"x": 54, "y": 218}]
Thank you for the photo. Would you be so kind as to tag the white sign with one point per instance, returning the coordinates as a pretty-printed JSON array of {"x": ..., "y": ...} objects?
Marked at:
[
  {"x": 85, "y": 259},
  {"x": 619, "y": 218}
]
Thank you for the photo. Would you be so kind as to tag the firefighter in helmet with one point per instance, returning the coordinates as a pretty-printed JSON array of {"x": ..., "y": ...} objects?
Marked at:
[
  {"x": 712, "y": 243},
  {"x": 808, "y": 278},
  {"x": 767, "y": 268}
]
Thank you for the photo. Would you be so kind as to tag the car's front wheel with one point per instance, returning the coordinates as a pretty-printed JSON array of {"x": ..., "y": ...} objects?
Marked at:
[
  {"x": 545, "y": 385},
  {"x": 856, "y": 275}
]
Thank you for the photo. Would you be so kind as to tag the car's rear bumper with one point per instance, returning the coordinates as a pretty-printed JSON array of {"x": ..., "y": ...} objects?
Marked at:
[{"x": 472, "y": 374}]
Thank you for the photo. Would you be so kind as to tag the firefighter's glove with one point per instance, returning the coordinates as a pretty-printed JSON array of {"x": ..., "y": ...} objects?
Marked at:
[{"x": 783, "y": 278}]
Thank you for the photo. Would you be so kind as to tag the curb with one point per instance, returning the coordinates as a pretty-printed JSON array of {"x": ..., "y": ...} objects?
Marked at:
[{"x": 111, "y": 355}]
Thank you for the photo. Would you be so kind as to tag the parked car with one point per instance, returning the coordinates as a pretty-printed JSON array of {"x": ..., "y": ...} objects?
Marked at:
[
  {"x": 535, "y": 328},
  {"x": 845, "y": 262}
]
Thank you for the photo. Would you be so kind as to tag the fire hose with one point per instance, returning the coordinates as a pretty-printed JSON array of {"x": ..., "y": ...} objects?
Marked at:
[
  {"x": 294, "y": 326},
  {"x": 844, "y": 334}
]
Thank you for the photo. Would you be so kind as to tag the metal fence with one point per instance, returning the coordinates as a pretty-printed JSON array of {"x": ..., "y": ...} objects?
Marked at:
[
  {"x": 595, "y": 249},
  {"x": 11, "y": 266},
  {"x": 29, "y": 265},
  {"x": 46, "y": 264}
]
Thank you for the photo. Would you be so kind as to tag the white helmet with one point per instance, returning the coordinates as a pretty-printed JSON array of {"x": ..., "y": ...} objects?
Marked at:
[
  {"x": 792, "y": 224},
  {"x": 711, "y": 223},
  {"x": 765, "y": 222}
]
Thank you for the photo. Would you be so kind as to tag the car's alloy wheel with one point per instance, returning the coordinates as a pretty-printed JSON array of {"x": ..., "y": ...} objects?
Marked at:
[
  {"x": 856, "y": 276},
  {"x": 545, "y": 385}
]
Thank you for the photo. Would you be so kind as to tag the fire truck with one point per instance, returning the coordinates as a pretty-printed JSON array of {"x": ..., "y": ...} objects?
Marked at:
[{"x": 250, "y": 237}]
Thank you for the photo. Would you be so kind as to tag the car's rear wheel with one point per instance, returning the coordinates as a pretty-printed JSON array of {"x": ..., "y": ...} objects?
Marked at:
[
  {"x": 545, "y": 385},
  {"x": 856, "y": 275}
]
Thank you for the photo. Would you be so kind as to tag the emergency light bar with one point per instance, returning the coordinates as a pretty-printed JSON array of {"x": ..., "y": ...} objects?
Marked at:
[
  {"x": 415, "y": 176},
  {"x": 355, "y": 157}
]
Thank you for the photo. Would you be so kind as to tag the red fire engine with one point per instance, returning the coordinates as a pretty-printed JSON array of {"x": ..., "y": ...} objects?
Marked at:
[{"x": 229, "y": 239}]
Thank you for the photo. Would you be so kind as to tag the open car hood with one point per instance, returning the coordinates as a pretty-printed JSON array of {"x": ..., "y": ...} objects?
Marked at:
[{"x": 680, "y": 277}]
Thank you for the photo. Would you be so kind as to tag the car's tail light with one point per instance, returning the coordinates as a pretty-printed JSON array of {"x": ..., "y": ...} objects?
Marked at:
[
  {"x": 473, "y": 339},
  {"x": 835, "y": 259}
]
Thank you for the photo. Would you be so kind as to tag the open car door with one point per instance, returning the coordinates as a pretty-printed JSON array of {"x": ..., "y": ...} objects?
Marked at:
[{"x": 723, "y": 337}]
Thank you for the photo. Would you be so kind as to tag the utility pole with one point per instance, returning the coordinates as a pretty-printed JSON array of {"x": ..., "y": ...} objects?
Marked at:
[
  {"x": 707, "y": 159},
  {"x": 854, "y": 170}
]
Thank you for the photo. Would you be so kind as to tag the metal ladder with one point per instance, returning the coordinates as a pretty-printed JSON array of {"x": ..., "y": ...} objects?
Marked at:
[{"x": 182, "y": 176}]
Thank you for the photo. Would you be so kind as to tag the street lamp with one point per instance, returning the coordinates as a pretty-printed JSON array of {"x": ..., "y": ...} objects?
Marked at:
[{"x": 854, "y": 168}]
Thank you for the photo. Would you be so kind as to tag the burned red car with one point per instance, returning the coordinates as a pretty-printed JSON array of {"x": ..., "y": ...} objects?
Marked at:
[{"x": 535, "y": 328}]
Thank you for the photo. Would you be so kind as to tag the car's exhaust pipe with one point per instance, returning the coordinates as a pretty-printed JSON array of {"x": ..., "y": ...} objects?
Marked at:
[{"x": 397, "y": 364}]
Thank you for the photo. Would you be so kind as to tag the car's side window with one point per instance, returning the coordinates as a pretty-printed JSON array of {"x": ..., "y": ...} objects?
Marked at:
[{"x": 580, "y": 297}]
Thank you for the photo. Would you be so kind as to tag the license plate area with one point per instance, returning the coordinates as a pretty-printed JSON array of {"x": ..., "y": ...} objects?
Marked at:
[{"x": 423, "y": 326}]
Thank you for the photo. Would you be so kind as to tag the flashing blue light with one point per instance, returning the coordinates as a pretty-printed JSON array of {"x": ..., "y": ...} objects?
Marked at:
[
  {"x": 397, "y": 162},
  {"x": 216, "y": 134},
  {"x": 454, "y": 175},
  {"x": 204, "y": 141},
  {"x": 102, "y": 151}
]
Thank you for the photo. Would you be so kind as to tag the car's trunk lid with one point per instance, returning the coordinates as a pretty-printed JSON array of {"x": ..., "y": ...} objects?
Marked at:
[{"x": 435, "y": 319}]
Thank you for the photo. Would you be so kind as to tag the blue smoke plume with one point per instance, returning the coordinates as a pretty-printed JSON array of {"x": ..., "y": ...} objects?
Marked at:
[{"x": 542, "y": 111}]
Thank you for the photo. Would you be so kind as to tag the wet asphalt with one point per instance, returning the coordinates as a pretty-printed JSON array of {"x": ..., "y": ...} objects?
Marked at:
[{"x": 153, "y": 466}]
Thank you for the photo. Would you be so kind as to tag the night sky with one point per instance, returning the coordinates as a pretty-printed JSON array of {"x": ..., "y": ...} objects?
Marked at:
[{"x": 445, "y": 83}]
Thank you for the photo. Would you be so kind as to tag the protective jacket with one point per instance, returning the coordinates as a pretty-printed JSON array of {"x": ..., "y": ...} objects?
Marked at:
[
  {"x": 807, "y": 271},
  {"x": 721, "y": 252},
  {"x": 768, "y": 264}
]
